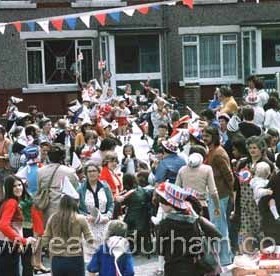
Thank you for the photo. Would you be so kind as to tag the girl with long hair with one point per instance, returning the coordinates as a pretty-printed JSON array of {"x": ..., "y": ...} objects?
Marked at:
[
  {"x": 63, "y": 235},
  {"x": 12, "y": 241}
]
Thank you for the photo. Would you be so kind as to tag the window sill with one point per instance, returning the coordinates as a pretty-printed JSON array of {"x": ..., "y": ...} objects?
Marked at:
[
  {"x": 97, "y": 3},
  {"x": 50, "y": 89},
  {"x": 17, "y": 5},
  {"x": 212, "y": 81},
  {"x": 207, "y": 2}
]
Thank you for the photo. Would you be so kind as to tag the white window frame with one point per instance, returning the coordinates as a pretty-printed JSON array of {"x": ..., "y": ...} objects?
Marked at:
[
  {"x": 97, "y": 3},
  {"x": 222, "y": 44},
  {"x": 221, "y": 30},
  {"x": 17, "y": 5},
  {"x": 41, "y": 36},
  {"x": 253, "y": 69},
  {"x": 134, "y": 76},
  {"x": 260, "y": 70}
]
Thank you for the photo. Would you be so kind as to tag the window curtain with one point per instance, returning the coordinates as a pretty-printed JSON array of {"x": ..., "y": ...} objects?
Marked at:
[
  {"x": 190, "y": 54},
  {"x": 209, "y": 55},
  {"x": 34, "y": 67},
  {"x": 87, "y": 65},
  {"x": 229, "y": 60}
]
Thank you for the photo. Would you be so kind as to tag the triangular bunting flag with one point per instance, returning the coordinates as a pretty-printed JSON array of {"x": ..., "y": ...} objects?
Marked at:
[
  {"x": 188, "y": 3},
  {"x": 86, "y": 20},
  {"x": 116, "y": 16},
  {"x": 17, "y": 25},
  {"x": 155, "y": 8},
  {"x": 31, "y": 26},
  {"x": 2, "y": 28},
  {"x": 57, "y": 23},
  {"x": 143, "y": 10},
  {"x": 101, "y": 18},
  {"x": 172, "y": 3},
  {"x": 71, "y": 22},
  {"x": 129, "y": 12},
  {"x": 44, "y": 25}
]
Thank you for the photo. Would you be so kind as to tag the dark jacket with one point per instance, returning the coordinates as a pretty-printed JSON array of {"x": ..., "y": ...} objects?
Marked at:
[
  {"x": 177, "y": 244},
  {"x": 268, "y": 223},
  {"x": 137, "y": 213}
]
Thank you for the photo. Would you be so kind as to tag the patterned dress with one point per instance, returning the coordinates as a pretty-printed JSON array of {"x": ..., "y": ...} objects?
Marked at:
[
  {"x": 98, "y": 229},
  {"x": 250, "y": 216}
]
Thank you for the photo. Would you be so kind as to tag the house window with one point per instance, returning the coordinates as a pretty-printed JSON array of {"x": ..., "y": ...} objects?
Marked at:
[
  {"x": 210, "y": 56},
  {"x": 137, "y": 54},
  {"x": 56, "y": 62},
  {"x": 270, "y": 48}
]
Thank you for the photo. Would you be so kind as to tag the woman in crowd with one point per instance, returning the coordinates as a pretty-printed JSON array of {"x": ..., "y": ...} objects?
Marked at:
[
  {"x": 11, "y": 219},
  {"x": 199, "y": 177},
  {"x": 239, "y": 153},
  {"x": 80, "y": 137},
  {"x": 96, "y": 202},
  {"x": 109, "y": 175},
  {"x": 68, "y": 227},
  {"x": 181, "y": 221},
  {"x": 249, "y": 212}
]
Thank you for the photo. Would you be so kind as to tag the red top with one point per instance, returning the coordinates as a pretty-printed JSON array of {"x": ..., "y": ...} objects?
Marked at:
[
  {"x": 112, "y": 179},
  {"x": 10, "y": 214}
]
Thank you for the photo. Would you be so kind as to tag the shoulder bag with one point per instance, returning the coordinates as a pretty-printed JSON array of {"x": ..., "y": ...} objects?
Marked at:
[
  {"x": 208, "y": 260},
  {"x": 42, "y": 199}
]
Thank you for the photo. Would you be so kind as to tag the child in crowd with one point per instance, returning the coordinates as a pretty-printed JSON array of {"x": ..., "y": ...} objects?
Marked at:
[
  {"x": 162, "y": 135},
  {"x": 259, "y": 183},
  {"x": 260, "y": 180},
  {"x": 129, "y": 163},
  {"x": 113, "y": 257},
  {"x": 137, "y": 202},
  {"x": 121, "y": 113}
]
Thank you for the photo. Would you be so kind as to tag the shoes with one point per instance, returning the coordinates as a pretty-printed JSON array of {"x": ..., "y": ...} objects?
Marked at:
[
  {"x": 41, "y": 270},
  {"x": 277, "y": 220}
]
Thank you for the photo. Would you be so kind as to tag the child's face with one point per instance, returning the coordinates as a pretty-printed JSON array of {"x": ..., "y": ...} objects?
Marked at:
[
  {"x": 162, "y": 132},
  {"x": 128, "y": 151}
]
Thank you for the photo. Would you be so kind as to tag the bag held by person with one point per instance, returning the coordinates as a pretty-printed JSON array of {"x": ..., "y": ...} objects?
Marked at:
[
  {"x": 41, "y": 199},
  {"x": 208, "y": 260}
]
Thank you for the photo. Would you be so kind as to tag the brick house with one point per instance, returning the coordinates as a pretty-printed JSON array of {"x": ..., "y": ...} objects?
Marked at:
[{"x": 218, "y": 42}]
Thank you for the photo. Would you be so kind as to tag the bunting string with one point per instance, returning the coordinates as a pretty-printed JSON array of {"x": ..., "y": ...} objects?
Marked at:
[{"x": 70, "y": 20}]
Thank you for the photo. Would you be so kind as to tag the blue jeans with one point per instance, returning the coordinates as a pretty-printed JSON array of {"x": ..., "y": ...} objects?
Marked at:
[
  {"x": 68, "y": 266},
  {"x": 220, "y": 222}
]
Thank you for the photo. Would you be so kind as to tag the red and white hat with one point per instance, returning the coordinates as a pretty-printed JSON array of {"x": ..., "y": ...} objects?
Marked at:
[{"x": 174, "y": 195}]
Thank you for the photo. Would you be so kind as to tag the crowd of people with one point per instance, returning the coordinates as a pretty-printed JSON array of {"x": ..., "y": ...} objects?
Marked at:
[{"x": 66, "y": 192}]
